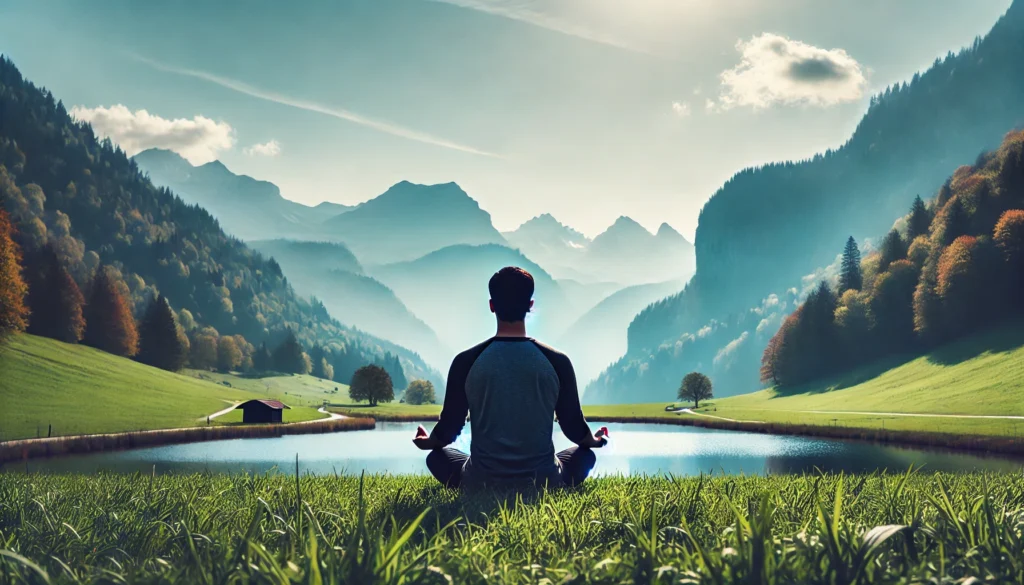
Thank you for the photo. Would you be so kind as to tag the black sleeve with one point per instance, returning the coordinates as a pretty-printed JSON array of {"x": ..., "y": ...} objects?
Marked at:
[
  {"x": 567, "y": 409},
  {"x": 456, "y": 406}
]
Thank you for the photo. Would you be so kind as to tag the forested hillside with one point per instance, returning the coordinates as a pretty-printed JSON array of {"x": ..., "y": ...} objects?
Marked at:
[
  {"x": 768, "y": 227},
  {"x": 956, "y": 266},
  {"x": 84, "y": 199}
]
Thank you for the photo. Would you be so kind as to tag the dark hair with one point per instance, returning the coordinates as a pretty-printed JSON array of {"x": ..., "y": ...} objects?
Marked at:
[{"x": 511, "y": 290}]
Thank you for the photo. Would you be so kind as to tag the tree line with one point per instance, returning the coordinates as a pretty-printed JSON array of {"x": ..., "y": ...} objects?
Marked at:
[{"x": 945, "y": 270}]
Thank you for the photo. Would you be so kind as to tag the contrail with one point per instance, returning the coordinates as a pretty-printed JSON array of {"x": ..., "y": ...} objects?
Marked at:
[
  {"x": 340, "y": 113},
  {"x": 546, "y": 21}
]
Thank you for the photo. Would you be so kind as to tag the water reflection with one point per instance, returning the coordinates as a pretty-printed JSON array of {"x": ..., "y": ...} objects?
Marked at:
[{"x": 634, "y": 449}]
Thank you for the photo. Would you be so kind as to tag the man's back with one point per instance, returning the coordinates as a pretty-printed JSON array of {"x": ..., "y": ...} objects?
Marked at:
[{"x": 511, "y": 387}]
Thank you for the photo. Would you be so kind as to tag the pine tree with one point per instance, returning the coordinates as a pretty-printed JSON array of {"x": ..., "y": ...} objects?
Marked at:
[
  {"x": 262, "y": 361},
  {"x": 851, "y": 277},
  {"x": 954, "y": 223},
  {"x": 109, "y": 324},
  {"x": 13, "y": 312},
  {"x": 919, "y": 221},
  {"x": 893, "y": 248},
  {"x": 159, "y": 343},
  {"x": 289, "y": 357},
  {"x": 55, "y": 300}
]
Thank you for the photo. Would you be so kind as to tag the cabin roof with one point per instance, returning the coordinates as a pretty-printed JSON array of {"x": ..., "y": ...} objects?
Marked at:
[{"x": 274, "y": 404}]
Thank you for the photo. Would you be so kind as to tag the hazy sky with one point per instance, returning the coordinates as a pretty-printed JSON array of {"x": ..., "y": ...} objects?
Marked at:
[{"x": 586, "y": 109}]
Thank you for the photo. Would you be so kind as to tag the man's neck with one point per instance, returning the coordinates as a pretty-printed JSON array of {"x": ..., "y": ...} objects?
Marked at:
[{"x": 513, "y": 329}]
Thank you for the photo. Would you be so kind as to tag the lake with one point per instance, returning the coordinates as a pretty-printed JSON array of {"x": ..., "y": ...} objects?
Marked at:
[{"x": 634, "y": 449}]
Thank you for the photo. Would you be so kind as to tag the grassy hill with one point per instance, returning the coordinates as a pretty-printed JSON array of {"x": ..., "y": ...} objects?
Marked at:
[{"x": 80, "y": 390}]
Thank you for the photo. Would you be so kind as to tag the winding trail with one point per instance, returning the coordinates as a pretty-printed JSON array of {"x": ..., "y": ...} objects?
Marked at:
[
  {"x": 911, "y": 414},
  {"x": 690, "y": 411},
  {"x": 322, "y": 410},
  {"x": 219, "y": 412}
]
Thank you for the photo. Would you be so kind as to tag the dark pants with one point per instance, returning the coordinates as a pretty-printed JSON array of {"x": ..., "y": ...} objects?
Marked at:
[{"x": 575, "y": 464}]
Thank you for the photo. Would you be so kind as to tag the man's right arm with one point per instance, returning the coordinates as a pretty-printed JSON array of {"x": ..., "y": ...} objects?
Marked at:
[{"x": 456, "y": 405}]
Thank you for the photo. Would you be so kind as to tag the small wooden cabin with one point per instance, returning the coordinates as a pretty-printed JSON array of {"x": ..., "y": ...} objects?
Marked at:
[{"x": 262, "y": 411}]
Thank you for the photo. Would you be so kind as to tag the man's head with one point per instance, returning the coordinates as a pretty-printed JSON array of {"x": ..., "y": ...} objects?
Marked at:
[{"x": 511, "y": 294}]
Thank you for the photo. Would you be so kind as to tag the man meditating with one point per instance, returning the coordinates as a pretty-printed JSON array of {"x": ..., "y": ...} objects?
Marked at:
[{"x": 512, "y": 387}]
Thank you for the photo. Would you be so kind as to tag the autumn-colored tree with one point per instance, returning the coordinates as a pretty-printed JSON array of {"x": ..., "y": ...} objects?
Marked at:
[
  {"x": 54, "y": 300},
  {"x": 160, "y": 344},
  {"x": 203, "y": 350},
  {"x": 781, "y": 361},
  {"x": 13, "y": 312},
  {"x": 951, "y": 223},
  {"x": 229, "y": 357},
  {"x": 1009, "y": 237},
  {"x": 893, "y": 248},
  {"x": 850, "y": 277},
  {"x": 919, "y": 221},
  {"x": 695, "y": 387},
  {"x": 372, "y": 384},
  {"x": 109, "y": 323},
  {"x": 420, "y": 392},
  {"x": 960, "y": 285}
]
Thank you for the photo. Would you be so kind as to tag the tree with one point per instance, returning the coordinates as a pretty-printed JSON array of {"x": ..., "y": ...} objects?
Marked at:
[
  {"x": 203, "y": 350},
  {"x": 854, "y": 322},
  {"x": 695, "y": 387},
  {"x": 229, "y": 356},
  {"x": 850, "y": 278},
  {"x": 160, "y": 344},
  {"x": 420, "y": 392},
  {"x": 289, "y": 357},
  {"x": 919, "y": 221},
  {"x": 965, "y": 284},
  {"x": 55, "y": 300},
  {"x": 893, "y": 248},
  {"x": 952, "y": 222},
  {"x": 892, "y": 306},
  {"x": 13, "y": 312},
  {"x": 320, "y": 367},
  {"x": 373, "y": 384},
  {"x": 109, "y": 323},
  {"x": 1009, "y": 237},
  {"x": 262, "y": 361}
]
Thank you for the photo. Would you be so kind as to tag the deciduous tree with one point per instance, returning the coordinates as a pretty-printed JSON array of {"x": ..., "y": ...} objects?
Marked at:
[
  {"x": 55, "y": 300},
  {"x": 373, "y": 384},
  {"x": 13, "y": 311},
  {"x": 695, "y": 387},
  {"x": 420, "y": 392},
  {"x": 1009, "y": 237},
  {"x": 229, "y": 357},
  {"x": 109, "y": 323}
]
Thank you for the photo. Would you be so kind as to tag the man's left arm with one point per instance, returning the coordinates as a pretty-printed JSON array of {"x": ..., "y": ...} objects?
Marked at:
[{"x": 568, "y": 409}]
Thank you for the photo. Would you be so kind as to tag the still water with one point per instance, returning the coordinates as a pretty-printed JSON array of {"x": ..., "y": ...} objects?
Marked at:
[{"x": 634, "y": 449}]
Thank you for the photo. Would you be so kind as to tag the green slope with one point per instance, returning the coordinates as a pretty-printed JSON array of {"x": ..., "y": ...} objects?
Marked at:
[
  {"x": 81, "y": 390},
  {"x": 979, "y": 375}
]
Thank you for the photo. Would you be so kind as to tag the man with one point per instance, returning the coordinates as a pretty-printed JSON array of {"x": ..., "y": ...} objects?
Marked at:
[{"x": 512, "y": 387}]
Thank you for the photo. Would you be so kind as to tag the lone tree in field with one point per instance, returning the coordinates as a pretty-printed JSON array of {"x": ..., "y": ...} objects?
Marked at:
[
  {"x": 850, "y": 278},
  {"x": 109, "y": 324},
  {"x": 696, "y": 387},
  {"x": 373, "y": 384},
  {"x": 159, "y": 343},
  {"x": 420, "y": 392},
  {"x": 13, "y": 289}
]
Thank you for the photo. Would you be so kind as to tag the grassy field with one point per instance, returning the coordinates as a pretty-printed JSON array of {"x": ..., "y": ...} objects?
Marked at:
[
  {"x": 819, "y": 528},
  {"x": 293, "y": 390},
  {"x": 392, "y": 411},
  {"x": 79, "y": 390}
]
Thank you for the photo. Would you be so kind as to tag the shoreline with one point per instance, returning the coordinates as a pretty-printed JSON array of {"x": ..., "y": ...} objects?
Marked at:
[{"x": 25, "y": 449}]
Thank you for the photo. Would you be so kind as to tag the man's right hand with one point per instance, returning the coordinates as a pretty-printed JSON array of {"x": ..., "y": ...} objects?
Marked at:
[
  {"x": 423, "y": 439},
  {"x": 600, "y": 438}
]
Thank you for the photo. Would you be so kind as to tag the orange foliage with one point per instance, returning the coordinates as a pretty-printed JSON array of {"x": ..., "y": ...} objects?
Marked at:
[
  {"x": 1009, "y": 236},
  {"x": 13, "y": 312},
  {"x": 110, "y": 325}
]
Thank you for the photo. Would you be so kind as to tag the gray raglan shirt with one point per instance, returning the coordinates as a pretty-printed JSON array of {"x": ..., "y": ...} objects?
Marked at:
[{"x": 511, "y": 387}]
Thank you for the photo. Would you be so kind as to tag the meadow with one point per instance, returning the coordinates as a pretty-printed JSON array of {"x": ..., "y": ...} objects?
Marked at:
[{"x": 214, "y": 529}]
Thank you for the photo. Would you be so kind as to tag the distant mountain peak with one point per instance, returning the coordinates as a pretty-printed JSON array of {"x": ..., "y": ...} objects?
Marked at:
[
  {"x": 665, "y": 231},
  {"x": 627, "y": 226}
]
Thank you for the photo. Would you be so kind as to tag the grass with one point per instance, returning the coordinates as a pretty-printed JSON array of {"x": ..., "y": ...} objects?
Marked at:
[
  {"x": 904, "y": 528},
  {"x": 293, "y": 390},
  {"x": 295, "y": 414},
  {"x": 80, "y": 390},
  {"x": 394, "y": 411}
]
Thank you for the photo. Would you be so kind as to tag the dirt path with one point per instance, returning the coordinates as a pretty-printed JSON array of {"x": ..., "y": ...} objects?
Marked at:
[
  {"x": 690, "y": 411},
  {"x": 911, "y": 414},
  {"x": 219, "y": 412}
]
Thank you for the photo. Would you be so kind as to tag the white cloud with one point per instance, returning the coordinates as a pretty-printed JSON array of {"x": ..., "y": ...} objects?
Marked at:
[
  {"x": 271, "y": 148},
  {"x": 725, "y": 355},
  {"x": 777, "y": 70},
  {"x": 310, "y": 106},
  {"x": 681, "y": 109},
  {"x": 199, "y": 140}
]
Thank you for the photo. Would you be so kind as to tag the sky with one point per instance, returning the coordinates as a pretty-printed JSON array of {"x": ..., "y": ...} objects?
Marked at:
[{"x": 585, "y": 109}]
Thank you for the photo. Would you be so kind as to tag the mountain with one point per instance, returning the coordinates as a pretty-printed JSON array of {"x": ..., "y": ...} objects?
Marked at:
[
  {"x": 625, "y": 253},
  {"x": 62, "y": 186},
  {"x": 247, "y": 208},
  {"x": 598, "y": 337},
  {"x": 448, "y": 289},
  {"x": 768, "y": 227},
  {"x": 331, "y": 273},
  {"x": 410, "y": 220}
]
